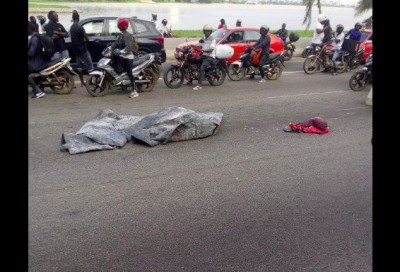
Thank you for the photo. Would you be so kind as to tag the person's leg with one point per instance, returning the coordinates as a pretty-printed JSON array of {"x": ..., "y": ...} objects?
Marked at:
[
  {"x": 128, "y": 66},
  {"x": 205, "y": 63},
  {"x": 57, "y": 55},
  {"x": 334, "y": 57},
  {"x": 261, "y": 68},
  {"x": 37, "y": 92}
]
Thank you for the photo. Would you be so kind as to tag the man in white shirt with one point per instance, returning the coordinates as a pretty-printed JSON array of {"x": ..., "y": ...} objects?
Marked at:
[
  {"x": 163, "y": 29},
  {"x": 337, "y": 46},
  {"x": 208, "y": 47}
]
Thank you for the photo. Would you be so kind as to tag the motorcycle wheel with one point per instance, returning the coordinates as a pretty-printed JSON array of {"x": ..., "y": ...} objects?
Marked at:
[
  {"x": 306, "y": 52},
  {"x": 147, "y": 87},
  {"x": 218, "y": 77},
  {"x": 276, "y": 71},
  {"x": 358, "y": 81},
  {"x": 341, "y": 66},
  {"x": 235, "y": 73},
  {"x": 93, "y": 88},
  {"x": 173, "y": 77},
  {"x": 288, "y": 55},
  {"x": 66, "y": 85},
  {"x": 311, "y": 65},
  {"x": 156, "y": 69}
]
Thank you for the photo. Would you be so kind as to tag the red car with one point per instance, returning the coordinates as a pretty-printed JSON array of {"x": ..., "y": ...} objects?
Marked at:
[
  {"x": 366, "y": 42},
  {"x": 239, "y": 38}
]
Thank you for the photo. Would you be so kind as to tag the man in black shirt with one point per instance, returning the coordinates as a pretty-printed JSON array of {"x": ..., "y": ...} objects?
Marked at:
[
  {"x": 57, "y": 32},
  {"x": 263, "y": 43},
  {"x": 79, "y": 49}
]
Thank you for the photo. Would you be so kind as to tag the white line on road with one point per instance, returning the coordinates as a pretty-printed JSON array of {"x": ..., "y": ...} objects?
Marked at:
[{"x": 293, "y": 95}]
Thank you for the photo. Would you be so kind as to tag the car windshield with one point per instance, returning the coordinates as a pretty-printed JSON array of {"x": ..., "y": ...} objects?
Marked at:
[
  {"x": 363, "y": 36},
  {"x": 219, "y": 34}
]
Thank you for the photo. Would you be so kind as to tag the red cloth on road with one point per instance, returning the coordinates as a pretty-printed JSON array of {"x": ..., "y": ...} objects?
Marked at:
[{"x": 313, "y": 125}]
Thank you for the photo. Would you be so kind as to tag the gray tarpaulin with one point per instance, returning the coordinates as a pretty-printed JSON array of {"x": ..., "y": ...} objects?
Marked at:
[{"x": 109, "y": 130}]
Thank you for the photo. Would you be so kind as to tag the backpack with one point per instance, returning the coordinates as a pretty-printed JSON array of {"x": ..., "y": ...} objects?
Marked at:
[
  {"x": 134, "y": 44},
  {"x": 47, "y": 48},
  {"x": 255, "y": 56}
]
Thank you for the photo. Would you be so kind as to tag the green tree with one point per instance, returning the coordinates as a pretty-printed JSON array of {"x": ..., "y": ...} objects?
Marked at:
[
  {"x": 309, "y": 5},
  {"x": 363, "y": 6}
]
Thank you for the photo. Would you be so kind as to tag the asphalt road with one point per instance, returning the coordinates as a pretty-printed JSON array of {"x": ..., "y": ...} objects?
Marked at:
[{"x": 250, "y": 198}]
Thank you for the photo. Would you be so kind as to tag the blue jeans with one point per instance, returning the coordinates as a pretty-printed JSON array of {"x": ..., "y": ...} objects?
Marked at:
[
  {"x": 336, "y": 53},
  {"x": 60, "y": 55}
]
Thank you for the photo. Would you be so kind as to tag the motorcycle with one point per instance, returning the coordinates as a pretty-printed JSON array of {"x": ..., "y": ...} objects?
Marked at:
[
  {"x": 273, "y": 67},
  {"x": 351, "y": 58},
  {"x": 58, "y": 76},
  {"x": 188, "y": 67},
  {"x": 108, "y": 74},
  {"x": 310, "y": 50},
  {"x": 360, "y": 79},
  {"x": 290, "y": 47},
  {"x": 322, "y": 58}
]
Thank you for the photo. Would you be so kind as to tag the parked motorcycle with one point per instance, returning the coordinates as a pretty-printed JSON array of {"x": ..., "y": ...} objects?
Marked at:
[
  {"x": 351, "y": 60},
  {"x": 360, "y": 79},
  {"x": 273, "y": 67},
  {"x": 58, "y": 76},
  {"x": 322, "y": 59},
  {"x": 101, "y": 80},
  {"x": 188, "y": 67},
  {"x": 290, "y": 47}
]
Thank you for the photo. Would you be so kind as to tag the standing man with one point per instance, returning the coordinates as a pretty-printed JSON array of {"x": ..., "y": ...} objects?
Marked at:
[
  {"x": 33, "y": 21},
  {"x": 57, "y": 32},
  {"x": 282, "y": 33},
  {"x": 35, "y": 61},
  {"x": 155, "y": 20},
  {"x": 222, "y": 24},
  {"x": 208, "y": 47},
  {"x": 79, "y": 40},
  {"x": 263, "y": 43},
  {"x": 238, "y": 22}
]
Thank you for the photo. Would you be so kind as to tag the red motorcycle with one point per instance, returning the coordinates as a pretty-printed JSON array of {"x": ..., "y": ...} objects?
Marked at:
[
  {"x": 188, "y": 67},
  {"x": 322, "y": 59}
]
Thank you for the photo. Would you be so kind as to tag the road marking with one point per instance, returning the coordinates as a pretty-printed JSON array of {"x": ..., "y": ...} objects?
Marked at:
[{"x": 304, "y": 94}]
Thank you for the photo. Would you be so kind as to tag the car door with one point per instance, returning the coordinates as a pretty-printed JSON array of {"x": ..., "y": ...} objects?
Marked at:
[{"x": 235, "y": 40}]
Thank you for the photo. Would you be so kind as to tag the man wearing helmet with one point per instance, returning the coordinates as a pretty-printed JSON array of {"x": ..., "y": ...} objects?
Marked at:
[
  {"x": 282, "y": 33},
  {"x": 124, "y": 53},
  {"x": 164, "y": 29},
  {"x": 263, "y": 43},
  {"x": 337, "y": 46},
  {"x": 155, "y": 20},
  {"x": 207, "y": 46},
  {"x": 318, "y": 32},
  {"x": 238, "y": 22},
  {"x": 355, "y": 33}
]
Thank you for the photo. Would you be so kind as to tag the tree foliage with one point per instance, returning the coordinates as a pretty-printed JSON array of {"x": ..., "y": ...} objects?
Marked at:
[{"x": 309, "y": 5}]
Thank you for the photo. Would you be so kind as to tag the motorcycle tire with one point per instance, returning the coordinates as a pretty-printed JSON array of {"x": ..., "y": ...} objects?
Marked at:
[
  {"x": 173, "y": 77},
  {"x": 341, "y": 66},
  {"x": 149, "y": 74},
  {"x": 288, "y": 55},
  {"x": 276, "y": 71},
  {"x": 66, "y": 85},
  {"x": 93, "y": 88},
  {"x": 156, "y": 69},
  {"x": 306, "y": 52},
  {"x": 235, "y": 73},
  {"x": 311, "y": 65},
  {"x": 358, "y": 81},
  {"x": 218, "y": 77}
]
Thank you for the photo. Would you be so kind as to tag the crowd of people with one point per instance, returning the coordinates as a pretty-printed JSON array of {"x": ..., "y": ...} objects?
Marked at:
[{"x": 122, "y": 51}]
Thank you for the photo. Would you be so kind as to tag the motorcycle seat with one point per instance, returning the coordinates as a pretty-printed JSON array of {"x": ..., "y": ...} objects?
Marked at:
[{"x": 140, "y": 59}]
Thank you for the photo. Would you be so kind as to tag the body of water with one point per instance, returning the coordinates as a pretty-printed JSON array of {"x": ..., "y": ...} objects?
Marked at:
[{"x": 194, "y": 16}]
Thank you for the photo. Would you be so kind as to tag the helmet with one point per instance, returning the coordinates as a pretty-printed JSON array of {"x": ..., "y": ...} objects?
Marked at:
[
  {"x": 264, "y": 28},
  {"x": 322, "y": 17},
  {"x": 357, "y": 25},
  {"x": 154, "y": 15},
  {"x": 41, "y": 19},
  {"x": 238, "y": 20},
  {"x": 122, "y": 23},
  {"x": 207, "y": 27},
  {"x": 164, "y": 21},
  {"x": 339, "y": 28}
]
